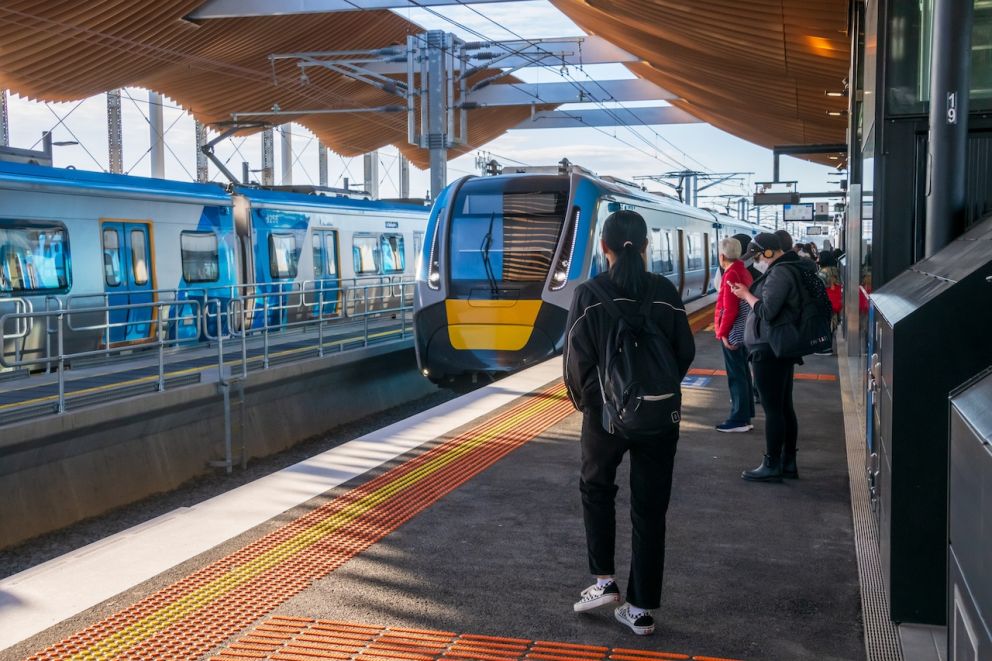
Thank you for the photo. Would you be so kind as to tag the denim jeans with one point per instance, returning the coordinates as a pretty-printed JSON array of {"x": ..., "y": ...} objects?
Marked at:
[
  {"x": 739, "y": 380},
  {"x": 651, "y": 464}
]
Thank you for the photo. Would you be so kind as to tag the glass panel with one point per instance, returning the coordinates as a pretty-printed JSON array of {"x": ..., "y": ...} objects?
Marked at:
[
  {"x": 694, "y": 251},
  {"x": 911, "y": 37},
  {"x": 331, "y": 253},
  {"x": 111, "y": 258},
  {"x": 284, "y": 256},
  {"x": 139, "y": 257},
  {"x": 508, "y": 237},
  {"x": 418, "y": 246},
  {"x": 392, "y": 252},
  {"x": 318, "y": 255},
  {"x": 33, "y": 259},
  {"x": 657, "y": 259},
  {"x": 365, "y": 251},
  {"x": 669, "y": 260},
  {"x": 199, "y": 254}
]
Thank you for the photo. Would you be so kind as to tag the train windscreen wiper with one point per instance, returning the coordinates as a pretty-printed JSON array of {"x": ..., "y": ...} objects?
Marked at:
[{"x": 487, "y": 244}]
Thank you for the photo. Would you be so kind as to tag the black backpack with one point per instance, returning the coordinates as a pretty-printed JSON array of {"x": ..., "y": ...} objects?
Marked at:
[
  {"x": 638, "y": 373},
  {"x": 812, "y": 331}
]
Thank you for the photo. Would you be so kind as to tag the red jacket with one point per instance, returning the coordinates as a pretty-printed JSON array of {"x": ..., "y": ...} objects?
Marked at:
[{"x": 726, "y": 302}]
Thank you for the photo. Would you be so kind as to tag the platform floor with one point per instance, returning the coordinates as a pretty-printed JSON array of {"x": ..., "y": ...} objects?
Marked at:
[{"x": 477, "y": 537}]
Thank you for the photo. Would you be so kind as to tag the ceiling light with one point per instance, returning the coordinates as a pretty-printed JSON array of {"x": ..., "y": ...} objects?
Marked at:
[
  {"x": 837, "y": 113},
  {"x": 841, "y": 93}
]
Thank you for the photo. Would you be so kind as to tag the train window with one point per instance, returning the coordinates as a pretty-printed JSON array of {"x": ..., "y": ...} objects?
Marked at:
[
  {"x": 331, "y": 253},
  {"x": 365, "y": 251},
  {"x": 139, "y": 257},
  {"x": 284, "y": 255},
  {"x": 694, "y": 251},
  {"x": 661, "y": 251},
  {"x": 318, "y": 255},
  {"x": 33, "y": 259},
  {"x": 200, "y": 259},
  {"x": 418, "y": 246},
  {"x": 392, "y": 252},
  {"x": 111, "y": 257}
]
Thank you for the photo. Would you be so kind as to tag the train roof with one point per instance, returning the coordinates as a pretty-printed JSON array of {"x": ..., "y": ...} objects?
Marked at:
[
  {"x": 264, "y": 198},
  {"x": 41, "y": 178}
]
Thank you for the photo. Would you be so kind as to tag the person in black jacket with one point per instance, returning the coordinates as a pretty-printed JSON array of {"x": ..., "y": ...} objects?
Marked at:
[
  {"x": 624, "y": 243},
  {"x": 775, "y": 301}
]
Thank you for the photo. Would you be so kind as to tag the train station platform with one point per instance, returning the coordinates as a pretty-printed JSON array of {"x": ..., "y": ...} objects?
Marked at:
[{"x": 458, "y": 534}]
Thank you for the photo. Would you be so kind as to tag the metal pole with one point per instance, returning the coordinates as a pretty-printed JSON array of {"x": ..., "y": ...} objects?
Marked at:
[
  {"x": 404, "y": 177},
  {"x": 321, "y": 164},
  {"x": 287, "y": 155},
  {"x": 371, "y": 162},
  {"x": 60, "y": 344},
  {"x": 437, "y": 110},
  {"x": 268, "y": 157},
  {"x": 161, "y": 352},
  {"x": 4, "y": 120},
  {"x": 156, "y": 134},
  {"x": 202, "y": 173},
  {"x": 115, "y": 132},
  {"x": 950, "y": 64}
]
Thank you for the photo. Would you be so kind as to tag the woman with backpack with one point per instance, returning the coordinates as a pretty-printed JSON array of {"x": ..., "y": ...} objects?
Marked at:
[
  {"x": 776, "y": 303},
  {"x": 643, "y": 312}
]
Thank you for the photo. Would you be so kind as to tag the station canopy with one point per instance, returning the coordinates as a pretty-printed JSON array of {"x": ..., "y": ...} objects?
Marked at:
[{"x": 757, "y": 69}]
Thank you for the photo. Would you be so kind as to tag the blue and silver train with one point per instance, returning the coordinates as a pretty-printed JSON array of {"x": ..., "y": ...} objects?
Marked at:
[
  {"x": 506, "y": 253},
  {"x": 75, "y": 240}
]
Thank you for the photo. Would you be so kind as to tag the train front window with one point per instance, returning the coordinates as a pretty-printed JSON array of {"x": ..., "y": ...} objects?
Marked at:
[
  {"x": 506, "y": 236},
  {"x": 33, "y": 259}
]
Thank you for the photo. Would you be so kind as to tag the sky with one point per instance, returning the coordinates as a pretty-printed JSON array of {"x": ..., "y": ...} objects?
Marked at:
[{"x": 623, "y": 152}]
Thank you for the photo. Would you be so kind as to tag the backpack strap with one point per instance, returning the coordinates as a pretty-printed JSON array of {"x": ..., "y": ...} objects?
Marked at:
[{"x": 604, "y": 297}]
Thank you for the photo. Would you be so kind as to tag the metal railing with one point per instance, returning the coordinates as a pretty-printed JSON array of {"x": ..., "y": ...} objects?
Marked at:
[{"x": 193, "y": 322}]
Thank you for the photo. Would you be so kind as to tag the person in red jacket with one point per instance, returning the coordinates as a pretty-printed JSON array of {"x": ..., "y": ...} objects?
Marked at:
[{"x": 728, "y": 322}]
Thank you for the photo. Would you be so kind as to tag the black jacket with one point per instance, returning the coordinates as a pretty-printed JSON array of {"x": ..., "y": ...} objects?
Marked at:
[
  {"x": 779, "y": 302},
  {"x": 588, "y": 324}
]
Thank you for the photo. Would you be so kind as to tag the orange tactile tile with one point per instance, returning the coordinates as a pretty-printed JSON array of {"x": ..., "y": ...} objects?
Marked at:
[
  {"x": 196, "y": 614},
  {"x": 803, "y": 376},
  {"x": 302, "y": 639}
]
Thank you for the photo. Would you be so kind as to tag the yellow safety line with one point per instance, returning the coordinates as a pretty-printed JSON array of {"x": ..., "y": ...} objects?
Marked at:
[
  {"x": 177, "y": 610},
  {"x": 190, "y": 370}
]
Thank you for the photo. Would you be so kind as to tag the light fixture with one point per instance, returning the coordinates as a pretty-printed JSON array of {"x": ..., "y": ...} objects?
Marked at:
[
  {"x": 836, "y": 94},
  {"x": 837, "y": 113}
]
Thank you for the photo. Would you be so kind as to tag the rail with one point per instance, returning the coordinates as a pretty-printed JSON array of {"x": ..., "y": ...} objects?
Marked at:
[{"x": 313, "y": 316}]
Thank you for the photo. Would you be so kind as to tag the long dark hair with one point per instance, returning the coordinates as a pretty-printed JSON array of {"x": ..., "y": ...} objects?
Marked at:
[{"x": 625, "y": 234}]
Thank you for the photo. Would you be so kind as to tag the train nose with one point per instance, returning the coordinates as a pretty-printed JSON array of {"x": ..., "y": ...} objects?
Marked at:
[{"x": 485, "y": 324}]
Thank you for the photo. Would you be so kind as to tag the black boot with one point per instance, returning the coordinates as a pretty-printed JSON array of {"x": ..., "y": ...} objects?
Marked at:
[
  {"x": 789, "y": 468},
  {"x": 770, "y": 470}
]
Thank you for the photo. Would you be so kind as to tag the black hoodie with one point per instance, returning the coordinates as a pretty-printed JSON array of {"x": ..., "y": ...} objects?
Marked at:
[
  {"x": 588, "y": 325},
  {"x": 779, "y": 302}
]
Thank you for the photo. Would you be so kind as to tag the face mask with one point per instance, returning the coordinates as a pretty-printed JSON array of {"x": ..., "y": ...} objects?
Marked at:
[{"x": 762, "y": 266}]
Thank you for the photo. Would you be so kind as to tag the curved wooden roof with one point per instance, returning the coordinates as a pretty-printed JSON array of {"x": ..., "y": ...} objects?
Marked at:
[
  {"x": 758, "y": 69},
  {"x": 63, "y": 50}
]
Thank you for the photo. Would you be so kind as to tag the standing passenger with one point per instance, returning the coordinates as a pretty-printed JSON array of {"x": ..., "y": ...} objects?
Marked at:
[
  {"x": 775, "y": 300},
  {"x": 728, "y": 321},
  {"x": 624, "y": 242}
]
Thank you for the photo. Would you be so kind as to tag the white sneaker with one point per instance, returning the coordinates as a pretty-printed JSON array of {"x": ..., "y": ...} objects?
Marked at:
[
  {"x": 595, "y": 596},
  {"x": 642, "y": 625}
]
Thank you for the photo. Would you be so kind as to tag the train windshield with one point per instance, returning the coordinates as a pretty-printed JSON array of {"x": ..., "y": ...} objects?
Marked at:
[{"x": 506, "y": 236}]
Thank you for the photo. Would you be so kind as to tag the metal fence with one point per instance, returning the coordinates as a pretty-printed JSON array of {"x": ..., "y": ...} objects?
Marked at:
[{"x": 243, "y": 327}]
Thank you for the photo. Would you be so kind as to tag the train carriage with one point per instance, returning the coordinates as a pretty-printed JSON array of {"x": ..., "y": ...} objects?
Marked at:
[{"x": 506, "y": 253}]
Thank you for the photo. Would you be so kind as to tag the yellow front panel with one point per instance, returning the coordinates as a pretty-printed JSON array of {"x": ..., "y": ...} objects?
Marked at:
[
  {"x": 500, "y": 325},
  {"x": 495, "y": 337}
]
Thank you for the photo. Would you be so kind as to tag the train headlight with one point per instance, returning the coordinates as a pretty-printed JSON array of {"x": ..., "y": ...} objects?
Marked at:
[
  {"x": 560, "y": 276},
  {"x": 434, "y": 279}
]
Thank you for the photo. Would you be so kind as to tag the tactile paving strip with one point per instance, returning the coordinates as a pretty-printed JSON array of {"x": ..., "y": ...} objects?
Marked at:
[
  {"x": 196, "y": 614},
  {"x": 303, "y": 639},
  {"x": 802, "y": 376}
]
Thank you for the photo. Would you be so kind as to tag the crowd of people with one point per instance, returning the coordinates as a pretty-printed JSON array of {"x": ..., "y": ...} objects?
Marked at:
[{"x": 628, "y": 345}]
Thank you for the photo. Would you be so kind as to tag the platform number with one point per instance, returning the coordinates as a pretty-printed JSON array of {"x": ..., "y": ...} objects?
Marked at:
[{"x": 952, "y": 107}]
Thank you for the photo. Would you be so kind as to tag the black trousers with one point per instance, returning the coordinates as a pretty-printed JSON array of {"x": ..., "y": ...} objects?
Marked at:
[
  {"x": 773, "y": 378},
  {"x": 651, "y": 464}
]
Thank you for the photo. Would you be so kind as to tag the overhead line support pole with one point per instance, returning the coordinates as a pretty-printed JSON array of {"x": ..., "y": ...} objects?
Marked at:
[
  {"x": 156, "y": 130},
  {"x": 115, "y": 132}
]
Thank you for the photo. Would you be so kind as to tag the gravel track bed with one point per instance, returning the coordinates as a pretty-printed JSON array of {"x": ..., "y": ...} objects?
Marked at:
[{"x": 52, "y": 545}]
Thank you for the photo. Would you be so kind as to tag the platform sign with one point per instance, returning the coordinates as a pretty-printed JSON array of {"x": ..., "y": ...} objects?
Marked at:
[{"x": 797, "y": 212}]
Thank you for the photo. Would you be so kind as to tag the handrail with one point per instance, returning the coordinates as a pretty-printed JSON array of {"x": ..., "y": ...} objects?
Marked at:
[{"x": 184, "y": 324}]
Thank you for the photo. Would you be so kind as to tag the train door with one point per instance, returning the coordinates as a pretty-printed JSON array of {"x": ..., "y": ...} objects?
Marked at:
[
  {"x": 128, "y": 279},
  {"x": 326, "y": 275}
]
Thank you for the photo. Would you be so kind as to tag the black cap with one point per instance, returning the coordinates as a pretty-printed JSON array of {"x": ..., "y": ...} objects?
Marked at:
[{"x": 762, "y": 242}]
